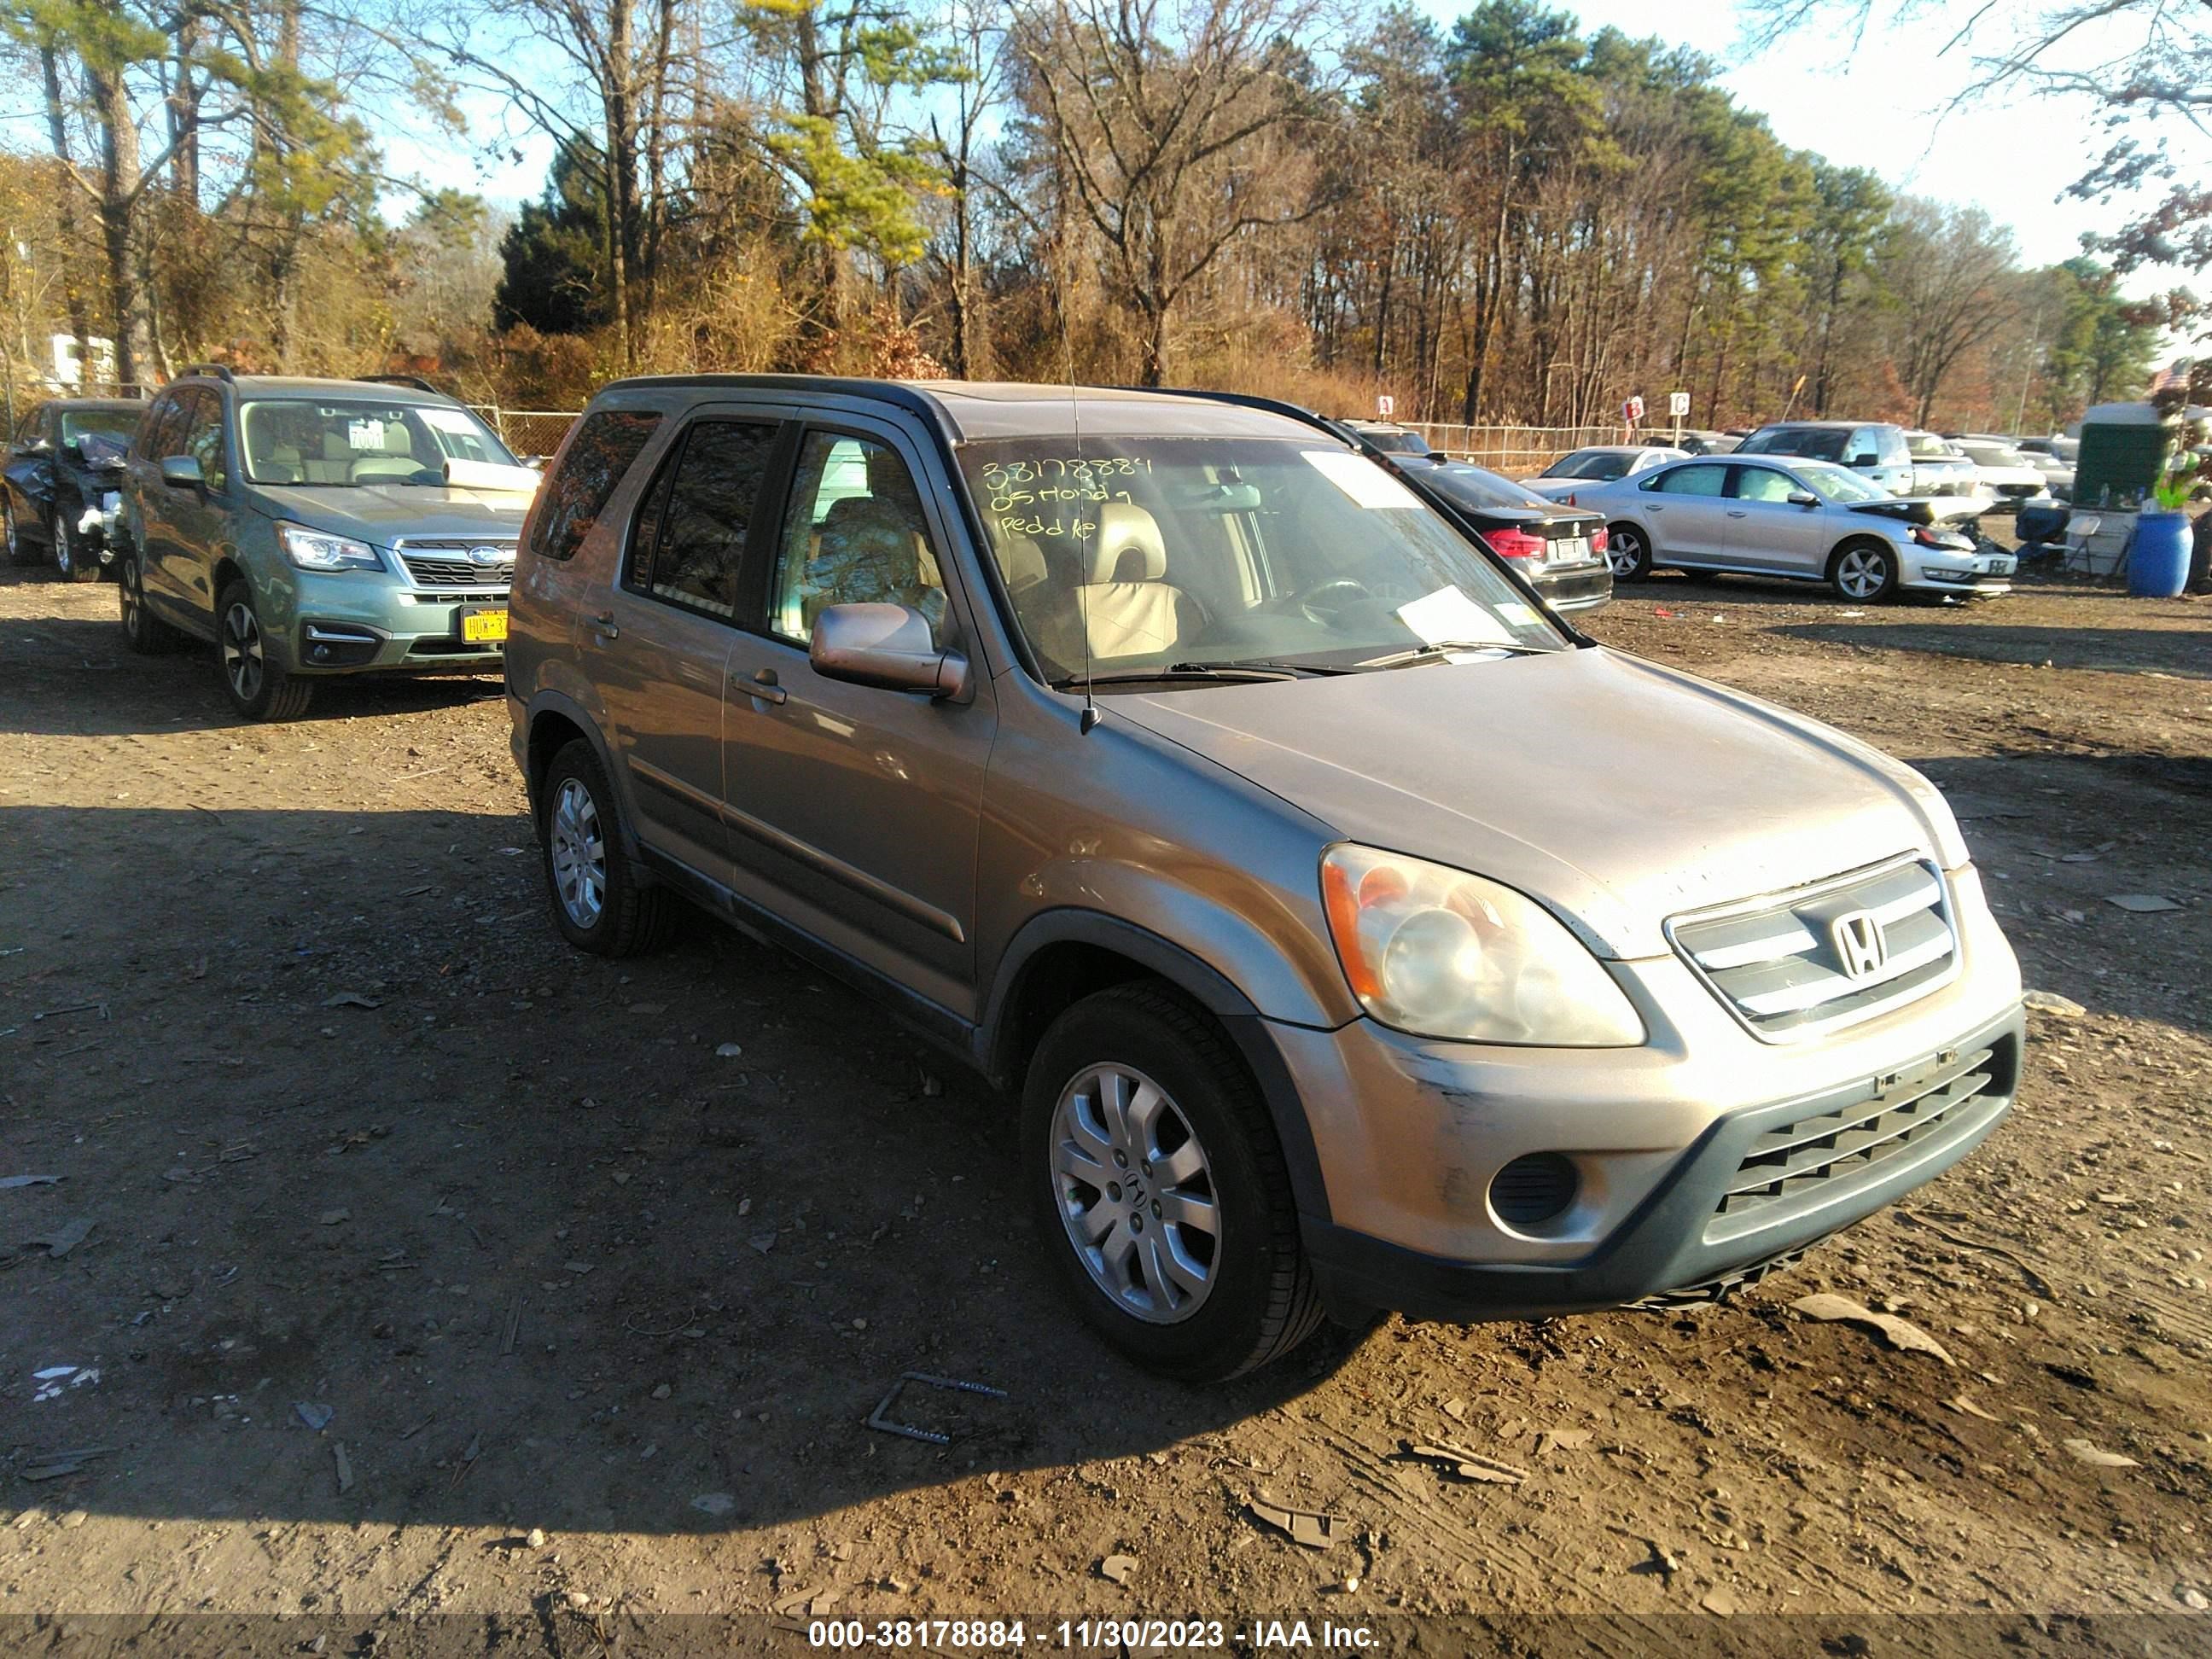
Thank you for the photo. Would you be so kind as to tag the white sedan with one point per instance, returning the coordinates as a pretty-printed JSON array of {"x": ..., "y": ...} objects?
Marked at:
[
  {"x": 1806, "y": 520},
  {"x": 1600, "y": 464}
]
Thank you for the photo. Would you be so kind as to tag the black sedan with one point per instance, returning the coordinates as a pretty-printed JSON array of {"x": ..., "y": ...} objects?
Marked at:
[
  {"x": 63, "y": 469},
  {"x": 1560, "y": 550}
]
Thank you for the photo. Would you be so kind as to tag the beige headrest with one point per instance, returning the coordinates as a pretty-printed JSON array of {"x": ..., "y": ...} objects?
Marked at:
[
  {"x": 1124, "y": 529},
  {"x": 1021, "y": 562},
  {"x": 397, "y": 441}
]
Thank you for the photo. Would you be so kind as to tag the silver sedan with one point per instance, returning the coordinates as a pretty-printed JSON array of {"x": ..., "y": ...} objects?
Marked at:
[{"x": 1806, "y": 520}]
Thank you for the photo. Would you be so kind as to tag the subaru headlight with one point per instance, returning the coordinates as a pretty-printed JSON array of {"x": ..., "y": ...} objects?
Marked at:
[
  {"x": 317, "y": 550},
  {"x": 1440, "y": 953}
]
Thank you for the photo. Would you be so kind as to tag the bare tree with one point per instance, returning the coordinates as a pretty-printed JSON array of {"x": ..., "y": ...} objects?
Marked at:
[
  {"x": 1950, "y": 270},
  {"x": 1153, "y": 114}
]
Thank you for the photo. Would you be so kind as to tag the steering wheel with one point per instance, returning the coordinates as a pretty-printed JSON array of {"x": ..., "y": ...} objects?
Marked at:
[{"x": 1316, "y": 604}]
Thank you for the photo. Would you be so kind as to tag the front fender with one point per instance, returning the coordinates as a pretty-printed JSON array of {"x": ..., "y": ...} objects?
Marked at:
[{"x": 573, "y": 699}]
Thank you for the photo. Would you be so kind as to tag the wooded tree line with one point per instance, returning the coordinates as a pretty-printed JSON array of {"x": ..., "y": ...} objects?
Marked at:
[{"x": 1502, "y": 219}]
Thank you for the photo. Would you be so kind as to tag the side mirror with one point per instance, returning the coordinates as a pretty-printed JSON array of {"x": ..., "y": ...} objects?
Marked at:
[
  {"x": 890, "y": 646},
  {"x": 1864, "y": 458},
  {"x": 183, "y": 473},
  {"x": 1802, "y": 498}
]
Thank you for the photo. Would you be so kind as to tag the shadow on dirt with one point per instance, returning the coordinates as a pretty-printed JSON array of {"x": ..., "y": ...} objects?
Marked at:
[
  {"x": 2179, "y": 653},
  {"x": 548, "y": 1254},
  {"x": 107, "y": 690}
]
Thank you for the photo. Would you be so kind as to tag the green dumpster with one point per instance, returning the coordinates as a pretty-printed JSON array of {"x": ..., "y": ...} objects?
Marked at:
[{"x": 2123, "y": 448}]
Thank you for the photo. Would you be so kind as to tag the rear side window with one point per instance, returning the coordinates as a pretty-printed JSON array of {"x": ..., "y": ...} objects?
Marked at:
[
  {"x": 1691, "y": 481},
  {"x": 571, "y": 500},
  {"x": 691, "y": 542}
]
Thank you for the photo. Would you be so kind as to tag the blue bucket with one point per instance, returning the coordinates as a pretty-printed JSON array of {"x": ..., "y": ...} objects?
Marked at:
[{"x": 2158, "y": 564}]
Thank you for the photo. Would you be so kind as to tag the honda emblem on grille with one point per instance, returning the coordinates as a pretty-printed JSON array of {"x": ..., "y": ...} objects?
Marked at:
[
  {"x": 484, "y": 558},
  {"x": 1860, "y": 945}
]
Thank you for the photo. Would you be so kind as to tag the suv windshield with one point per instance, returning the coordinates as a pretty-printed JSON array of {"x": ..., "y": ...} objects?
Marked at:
[
  {"x": 1153, "y": 553},
  {"x": 1818, "y": 443},
  {"x": 118, "y": 423},
  {"x": 346, "y": 441}
]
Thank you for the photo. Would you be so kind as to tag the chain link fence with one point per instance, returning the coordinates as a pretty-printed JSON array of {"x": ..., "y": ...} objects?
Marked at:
[
  {"x": 1518, "y": 451},
  {"x": 528, "y": 432}
]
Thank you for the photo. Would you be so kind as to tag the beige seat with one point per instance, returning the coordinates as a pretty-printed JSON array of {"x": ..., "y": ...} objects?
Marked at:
[
  {"x": 397, "y": 460},
  {"x": 1128, "y": 607}
]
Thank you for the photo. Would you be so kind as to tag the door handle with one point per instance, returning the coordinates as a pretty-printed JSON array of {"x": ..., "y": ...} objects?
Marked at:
[
  {"x": 1737, "y": 513},
  {"x": 604, "y": 626},
  {"x": 762, "y": 687}
]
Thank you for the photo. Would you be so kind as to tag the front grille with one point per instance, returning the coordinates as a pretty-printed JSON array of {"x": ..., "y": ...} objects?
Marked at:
[
  {"x": 1796, "y": 1165},
  {"x": 445, "y": 563},
  {"x": 1796, "y": 963}
]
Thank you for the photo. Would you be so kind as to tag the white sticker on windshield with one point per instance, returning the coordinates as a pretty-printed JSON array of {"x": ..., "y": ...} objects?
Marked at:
[
  {"x": 1517, "y": 613},
  {"x": 448, "y": 420},
  {"x": 365, "y": 433},
  {"x": 1448, "y": 617},
  {"x": 1366, "y": 483}
]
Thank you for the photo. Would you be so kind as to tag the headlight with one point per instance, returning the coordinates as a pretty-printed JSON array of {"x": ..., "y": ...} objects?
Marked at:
[
  {"x": 314, "y": 549},
  {"x": 1441, "y": 953}
]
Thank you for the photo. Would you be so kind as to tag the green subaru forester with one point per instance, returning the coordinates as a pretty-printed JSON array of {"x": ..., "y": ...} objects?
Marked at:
[{"x": 318, "y": 527}]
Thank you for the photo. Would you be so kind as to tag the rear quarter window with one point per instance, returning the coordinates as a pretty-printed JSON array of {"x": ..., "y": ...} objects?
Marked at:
[{"x": 574, "y": 497}]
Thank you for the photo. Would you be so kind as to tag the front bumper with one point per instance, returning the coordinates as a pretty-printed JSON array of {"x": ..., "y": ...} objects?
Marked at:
[
  {"x": 368, "y": 622},
  {"x": 1941, "y": 570},
  {"x": 1409, "y": 1135}
]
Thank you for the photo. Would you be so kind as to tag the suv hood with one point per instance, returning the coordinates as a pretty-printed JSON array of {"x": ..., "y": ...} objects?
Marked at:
[
  {"x": 1614, "y": 791},
  {"x": 382, "y": 513}
]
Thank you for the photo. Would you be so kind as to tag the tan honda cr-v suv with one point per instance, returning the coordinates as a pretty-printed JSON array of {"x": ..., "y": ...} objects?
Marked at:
[{"x": 1349, "y": 933}]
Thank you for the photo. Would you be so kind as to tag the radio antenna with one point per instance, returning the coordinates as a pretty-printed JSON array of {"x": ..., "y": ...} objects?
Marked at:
[{"x": 1091, "y": 716}]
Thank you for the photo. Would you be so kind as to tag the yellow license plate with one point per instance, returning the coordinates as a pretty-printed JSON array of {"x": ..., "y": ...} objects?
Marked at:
[{"x": 484, "y": 626}]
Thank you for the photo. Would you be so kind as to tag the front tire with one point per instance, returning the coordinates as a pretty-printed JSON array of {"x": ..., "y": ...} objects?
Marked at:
[
  {"x": 601, "y": 903},
  {"x": 1159, "y": 1187},
  {"x": 259, "y": 687},
  {"x": 1628, "y": 551},
  {"x": 1864, "y": 572},
  {"x": 74, "y": 559}
]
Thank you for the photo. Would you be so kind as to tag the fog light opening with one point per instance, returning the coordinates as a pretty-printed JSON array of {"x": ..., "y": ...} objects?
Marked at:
[{"x": 1533, "y": 1190}]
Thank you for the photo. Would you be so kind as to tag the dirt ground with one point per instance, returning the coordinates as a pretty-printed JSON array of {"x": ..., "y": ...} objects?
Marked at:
[{"x": 356, "y": 1133}]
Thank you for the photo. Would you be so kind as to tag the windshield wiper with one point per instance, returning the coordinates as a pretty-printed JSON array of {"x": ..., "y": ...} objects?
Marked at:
[
  {"x": 1442, "y": 649},
  {"x": 1185, "y": 671}
]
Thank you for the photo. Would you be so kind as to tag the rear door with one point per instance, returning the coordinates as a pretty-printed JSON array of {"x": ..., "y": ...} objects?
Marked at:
[
  {"x": 1685, "y": 511},
  {"x": 658, "y": 644},
  {"x": 854, "y": 811},
  {"x": 161, "y": 436},
  {"x": 1766, "y": 530}
]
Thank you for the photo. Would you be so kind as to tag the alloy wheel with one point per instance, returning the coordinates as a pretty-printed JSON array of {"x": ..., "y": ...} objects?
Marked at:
[
  {"x": 1622, "y": 550},
  {"x": 1135, "y": 1192},
  {"x": 1862, "y": 573},
  {"x": 66, "y": 550},
  {"x": 129, "y": 596},
  {"x": 579, "y": 853},
  {"x": 242, "y": 658}
]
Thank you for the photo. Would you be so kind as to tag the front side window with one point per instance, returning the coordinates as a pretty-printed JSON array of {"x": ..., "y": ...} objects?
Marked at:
[
  {"x": 1125, "y": 554},
  {"x": 344, "y": 443},
  {"x": 570, "y": 501},
  {"x": 854, "y": 534},
  {"x": 1762, "y": 484},
  {"x": 1691, "y": 481},
  {"x": 689, "y": 542},
  {"x": 203, "y": 440}
]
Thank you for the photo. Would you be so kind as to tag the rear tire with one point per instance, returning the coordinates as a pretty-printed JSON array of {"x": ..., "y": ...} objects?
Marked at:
[
  {"x": 601, "y": 903},
  {"x": 1628, "y": 551},
  {"x": 145, "y": 633},
  {"x": 259, "y": 687},
  {"x": 1183, "y": 1253},
  {"x": 1864, "y": 572},
  {"x": 20, "y": 549}
]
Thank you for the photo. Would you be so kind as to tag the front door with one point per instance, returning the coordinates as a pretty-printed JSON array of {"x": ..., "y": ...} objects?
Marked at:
[
  {"x": 1767, "y": 531},
  {"x": 658, "y": 642},
  {"x": 854, "y": 811}
]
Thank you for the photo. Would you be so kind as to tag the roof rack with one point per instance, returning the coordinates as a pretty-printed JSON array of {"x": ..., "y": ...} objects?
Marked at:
[
  {"x": 414, "y": 381},
  {"x": 216, "y": 371}
]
